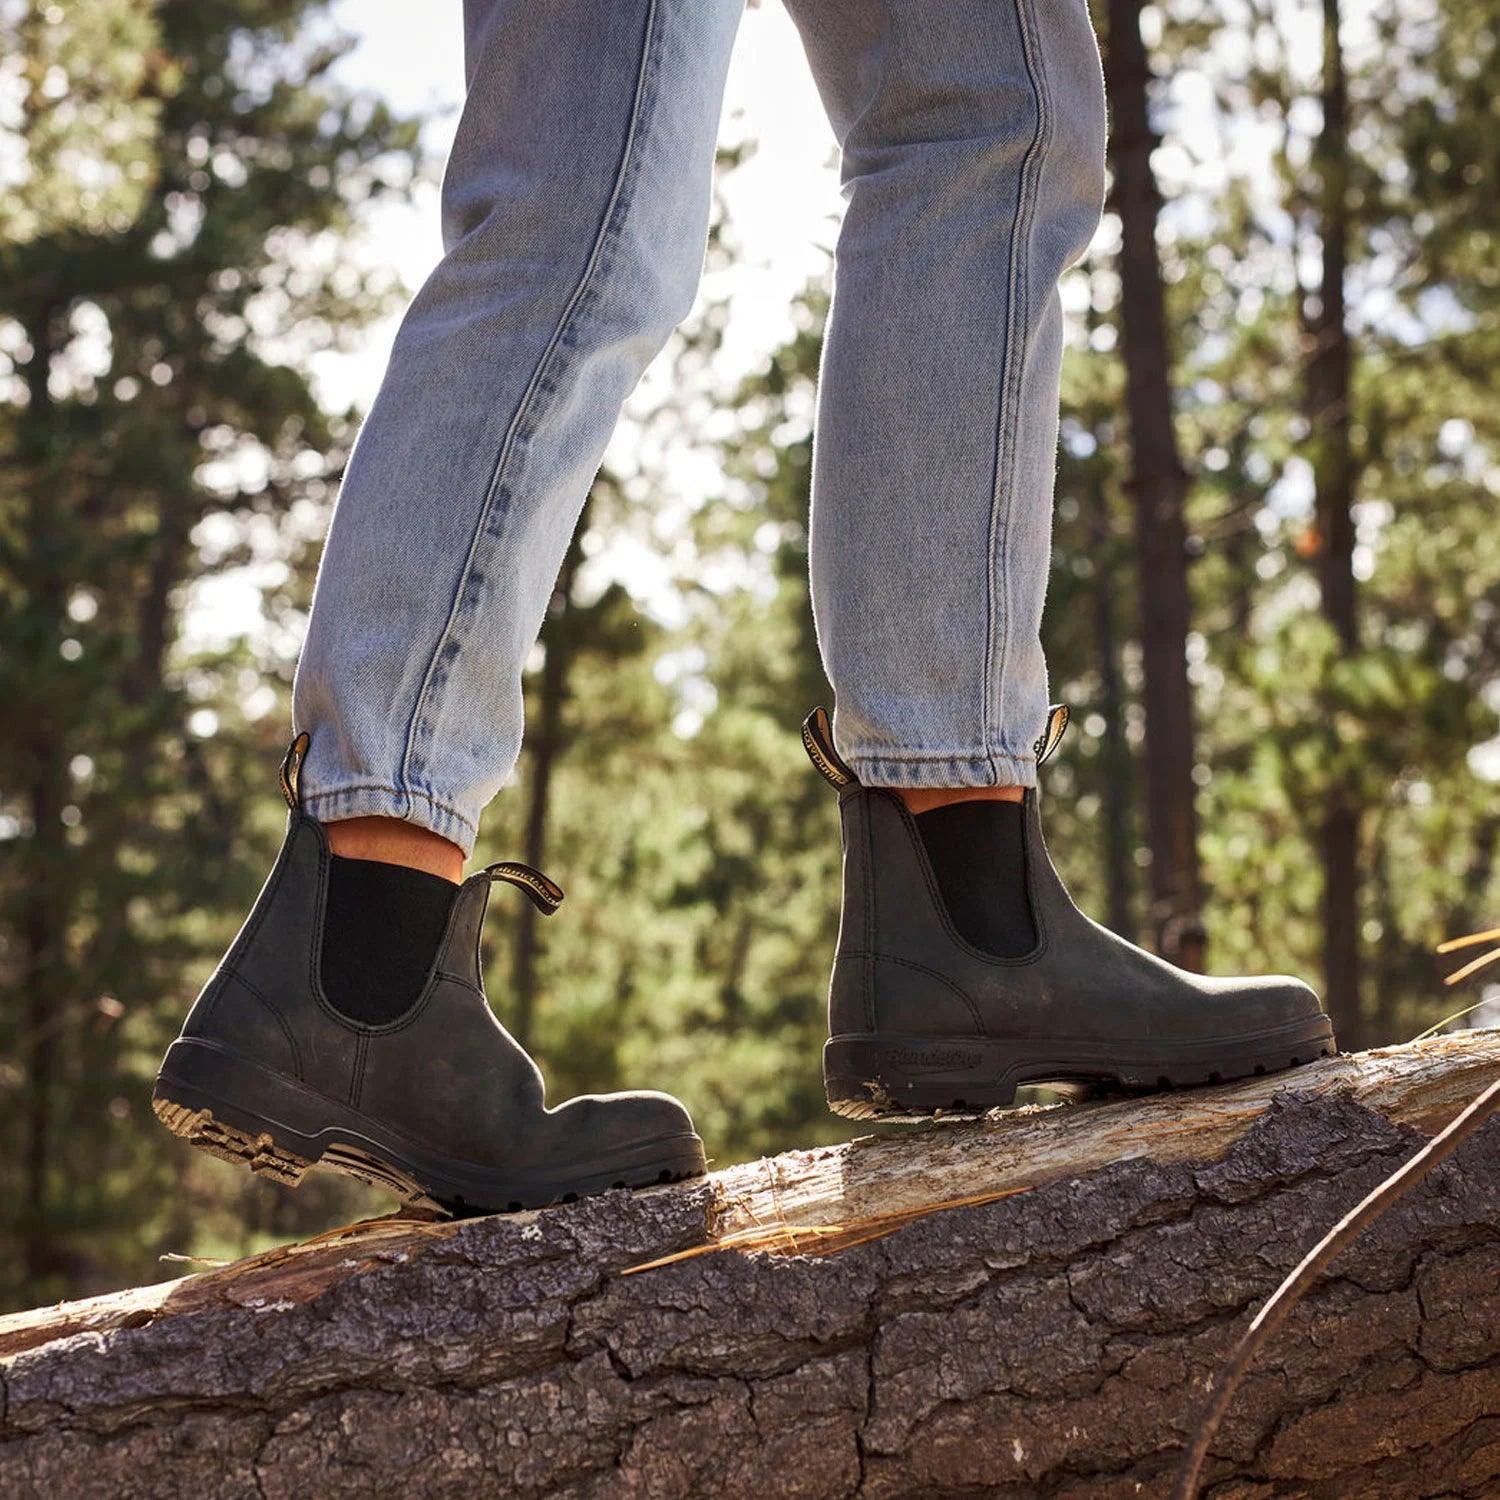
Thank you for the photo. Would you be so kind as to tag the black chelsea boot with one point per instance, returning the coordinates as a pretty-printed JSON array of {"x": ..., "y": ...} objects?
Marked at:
[
  {"x": 438, "y": 1103},
  {"x": 923, "y": 1022}
]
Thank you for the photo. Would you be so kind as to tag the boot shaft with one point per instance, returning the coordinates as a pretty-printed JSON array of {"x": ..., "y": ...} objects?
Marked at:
[
  {"x": 266, "y": 993},
  {"x": 897, "y": 946}
]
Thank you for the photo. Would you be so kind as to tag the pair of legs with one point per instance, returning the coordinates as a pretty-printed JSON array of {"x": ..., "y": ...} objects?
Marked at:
[
  {"x": 575, "y": 214},
  {"x": 348, "y": 1025}
]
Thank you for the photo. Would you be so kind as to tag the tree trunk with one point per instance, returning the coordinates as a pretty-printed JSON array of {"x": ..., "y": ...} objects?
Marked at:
[
  {"x": 543, "y": 746},
  {"x": 42, "y": 901},
  {"x": 1328, "y": 369},
  {"x": 1158, "y": 484},
  {"x": 1048, "y": 1334},
  {"x": 1119, "y": 778}
]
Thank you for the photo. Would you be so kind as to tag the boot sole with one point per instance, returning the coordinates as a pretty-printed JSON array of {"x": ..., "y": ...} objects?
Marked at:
[
  {"x": 890, "y": 1077},
  {"x": 200, "y": 1096}
]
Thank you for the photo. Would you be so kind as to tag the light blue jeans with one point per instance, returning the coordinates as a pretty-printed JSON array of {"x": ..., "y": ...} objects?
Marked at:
[{"x": 575, "y": 215}]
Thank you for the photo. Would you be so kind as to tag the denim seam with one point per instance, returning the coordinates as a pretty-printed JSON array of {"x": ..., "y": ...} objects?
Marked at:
[
  {"x": 402, "y": 796},
  {"x": 1018, "y": 296},
  {"x": 543, "y": 383},
  {"x": 925, "y": 757}
]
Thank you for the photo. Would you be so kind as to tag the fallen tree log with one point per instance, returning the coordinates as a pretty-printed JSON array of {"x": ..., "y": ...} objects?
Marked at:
[{"x": 850, "y": 1335}]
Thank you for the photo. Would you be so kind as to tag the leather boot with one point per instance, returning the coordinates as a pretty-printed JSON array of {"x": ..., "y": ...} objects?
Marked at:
[
  {"x": 921, "y": 1022},
  {"x": 440, "y": 1105}
]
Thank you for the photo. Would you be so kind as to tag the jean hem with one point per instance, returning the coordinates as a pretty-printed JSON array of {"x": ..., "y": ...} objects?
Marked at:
[
  {"x": 372, "y": 800},
  {"x": 937, "y": 768}
]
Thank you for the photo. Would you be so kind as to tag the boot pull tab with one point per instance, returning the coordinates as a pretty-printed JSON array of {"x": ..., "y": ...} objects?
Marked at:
[
  {"x": 291, "y": 770},
  {"x": 546, "y": 895},
  {"x": 1057, "y": 722},
  {"x": 817, "y": 740}
]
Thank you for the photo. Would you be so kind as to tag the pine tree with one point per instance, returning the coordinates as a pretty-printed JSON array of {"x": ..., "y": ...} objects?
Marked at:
[
  {"x": 1159, "y": 485},
  {"x": 161, "y": 291}
]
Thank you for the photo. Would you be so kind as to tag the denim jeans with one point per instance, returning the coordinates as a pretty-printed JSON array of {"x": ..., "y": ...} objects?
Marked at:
[{"x": 575, "y": 216}]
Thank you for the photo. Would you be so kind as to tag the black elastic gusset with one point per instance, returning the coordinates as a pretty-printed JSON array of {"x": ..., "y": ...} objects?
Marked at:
[
  {"x": 977, "y": 852},
  {"x": 381, "y": 930}
]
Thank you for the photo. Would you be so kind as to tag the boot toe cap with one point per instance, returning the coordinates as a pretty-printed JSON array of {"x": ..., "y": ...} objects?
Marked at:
[
  {"x": 616, "y": 1121},
  {"x": 1286, "y": 1000},
  {"x": 1266, "y": 1002}
]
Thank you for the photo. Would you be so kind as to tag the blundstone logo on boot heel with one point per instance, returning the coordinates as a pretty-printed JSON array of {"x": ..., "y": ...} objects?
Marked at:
[{"x": 929, "y": 1059}]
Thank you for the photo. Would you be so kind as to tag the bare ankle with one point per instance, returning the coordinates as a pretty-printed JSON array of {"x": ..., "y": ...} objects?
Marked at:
[
  {"x": 395, "y": 842},
  {"x": 920, "y": 799}
]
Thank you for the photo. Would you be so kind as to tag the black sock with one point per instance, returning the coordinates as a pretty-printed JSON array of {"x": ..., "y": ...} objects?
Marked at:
[
  {"x": 381, "y": 931},
  {"x": 978, "y": 855}
]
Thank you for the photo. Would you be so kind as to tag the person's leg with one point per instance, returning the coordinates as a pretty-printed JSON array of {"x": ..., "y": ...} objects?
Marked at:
[
  {"x": 973, "y": 163},
  {"x": 575, "y": 212},
  {"x": 348, "y": 1023},
  {"x": 973, "y": 141}
]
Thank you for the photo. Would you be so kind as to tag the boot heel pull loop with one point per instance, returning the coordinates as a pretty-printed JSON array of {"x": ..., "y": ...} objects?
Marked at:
[
  {"x": 817, "y": 740},
  {"x": 1057, "y": 722},
  {"x": 546, "y": 895},
  {"x": 291, "y": 770}
]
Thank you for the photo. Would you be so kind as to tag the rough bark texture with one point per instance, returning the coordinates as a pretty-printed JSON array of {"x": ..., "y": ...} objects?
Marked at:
[{"x": 1053, "y": 1342}]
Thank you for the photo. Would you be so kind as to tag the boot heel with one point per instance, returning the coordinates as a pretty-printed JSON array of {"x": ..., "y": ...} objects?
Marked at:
[
  {"x": 259, "y": 1153},
  {"x": 203, "y": 1094}
]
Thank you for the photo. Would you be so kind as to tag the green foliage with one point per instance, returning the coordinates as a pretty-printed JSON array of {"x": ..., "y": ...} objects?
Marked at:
[
  {"x": 158, "y": 432},
  {"x": 175, "y": 162}
]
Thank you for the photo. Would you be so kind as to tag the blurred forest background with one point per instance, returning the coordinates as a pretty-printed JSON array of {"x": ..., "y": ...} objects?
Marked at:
[{"x": 1275, "y": 597}]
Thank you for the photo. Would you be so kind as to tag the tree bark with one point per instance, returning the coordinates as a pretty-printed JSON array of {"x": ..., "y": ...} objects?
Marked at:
[
  {"x": 1159, "y": 484},
  {"x": 1049, "y": 1336},
  {"x": 1327, "y": 384}
]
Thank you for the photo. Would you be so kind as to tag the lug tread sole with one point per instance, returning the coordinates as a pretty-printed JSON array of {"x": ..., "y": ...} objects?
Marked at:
[
  {"x": 877, "y": 1101},
  {"x": 261, "y": 1155}
]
